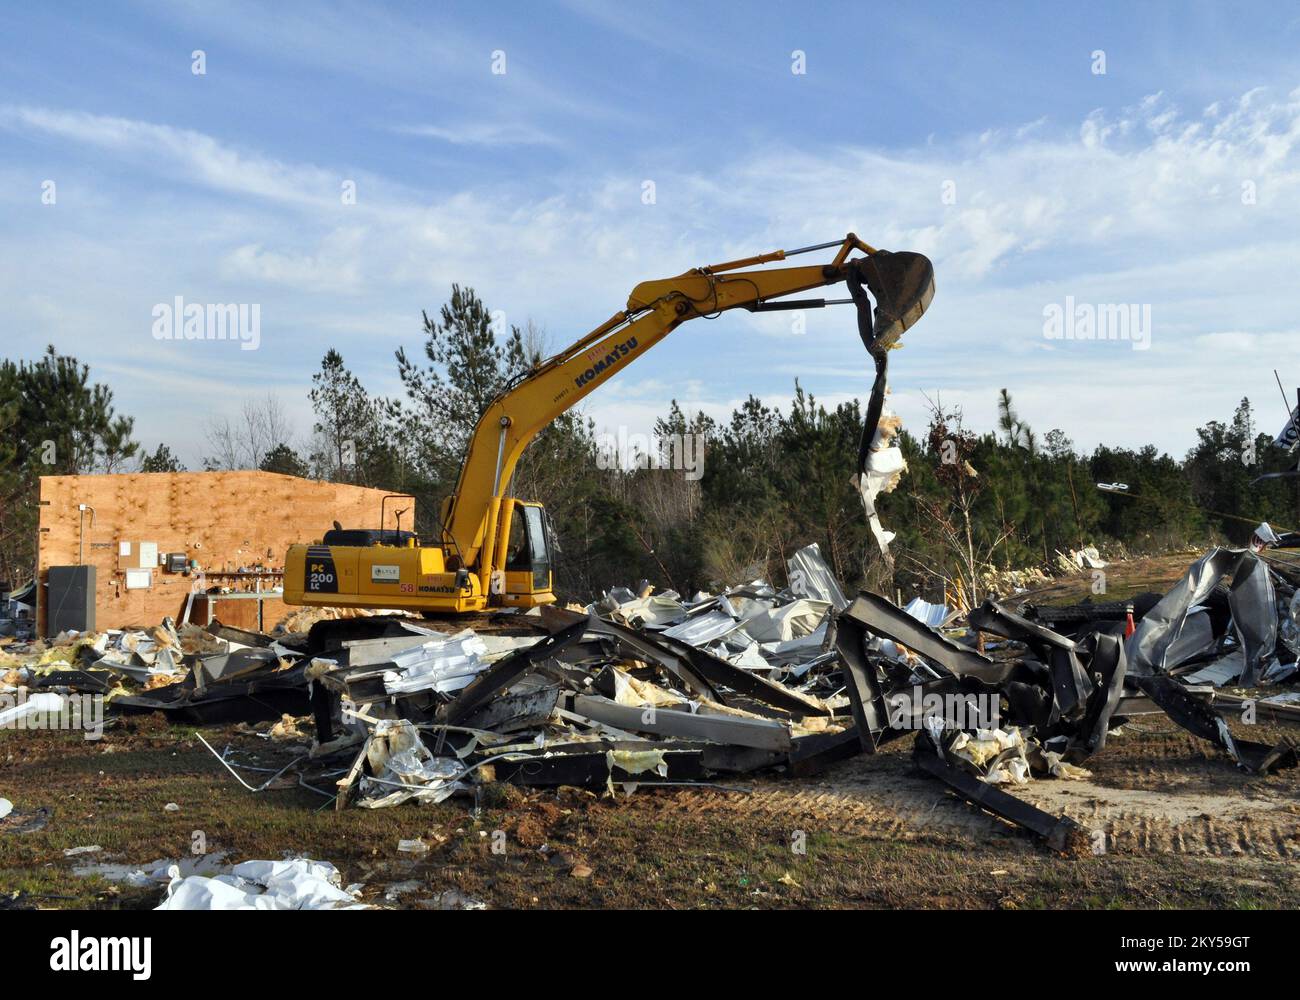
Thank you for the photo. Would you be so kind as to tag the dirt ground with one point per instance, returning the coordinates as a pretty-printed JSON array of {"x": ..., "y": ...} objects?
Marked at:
[{"x": 1182, "y": 828}]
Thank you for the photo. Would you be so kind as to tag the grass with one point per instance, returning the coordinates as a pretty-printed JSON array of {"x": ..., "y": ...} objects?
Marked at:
[{"x": 642, "y": 854}]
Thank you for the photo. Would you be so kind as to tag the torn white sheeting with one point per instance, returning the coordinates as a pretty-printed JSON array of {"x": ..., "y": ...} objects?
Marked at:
[
  {"x": 791, "y": 621},
  {"x": 294, "y": 884},
  {"x": 703, "y": 629},
  {"x": 810, "y": 577},
  {"x": 634, "y": 762},
  {"x": 430, "y": 779},
  {"x": 441, "y": 665},
  {"x": 885, "y": 468},
  {"x": 403, "y": 768},
  {"x": 987, "y": 746}
]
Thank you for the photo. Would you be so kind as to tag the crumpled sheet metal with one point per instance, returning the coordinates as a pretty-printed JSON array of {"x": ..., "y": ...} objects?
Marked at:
[
  {"x": 507, "y": 671},
  {"x": 922, "y": 610},
  {"x": 1250, "y": 598},
  {"x": 1196, "y": 639},
  {"x": 1289, "y": 628},
  {"x": 1254, "y": 615},
  {"x": 703, "y": 629},
  {"x": 1071, "y": 686},
  {"x": 652, "y": 611},
  {"x": 810, "y": 576},
  {"x": 444, "y": 665},
  {"x": 1201, "y": 720},
  {"x": 884, "y": 619},
  {"x": 790, "y": 621},
  {"x": 1109, "y": 666},
  {"x": 1085, "y": 727}
]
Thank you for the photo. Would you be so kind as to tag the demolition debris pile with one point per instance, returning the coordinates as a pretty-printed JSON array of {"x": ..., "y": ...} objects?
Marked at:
[{"x": 645, "y": 688}]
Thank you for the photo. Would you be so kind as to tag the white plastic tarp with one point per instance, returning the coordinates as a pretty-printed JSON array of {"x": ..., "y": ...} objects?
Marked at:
[{"x": 293, "y": 884}]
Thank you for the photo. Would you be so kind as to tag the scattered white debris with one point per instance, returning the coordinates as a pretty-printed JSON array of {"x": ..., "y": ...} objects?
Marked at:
[{"x": 293, "y": 884}]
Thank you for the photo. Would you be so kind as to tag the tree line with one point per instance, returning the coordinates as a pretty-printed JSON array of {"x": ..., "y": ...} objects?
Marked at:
[{"x": 773, "y": 479}]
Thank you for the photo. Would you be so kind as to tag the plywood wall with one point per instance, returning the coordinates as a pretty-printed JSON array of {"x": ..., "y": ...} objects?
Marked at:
[{"x": 224, "y": 520}]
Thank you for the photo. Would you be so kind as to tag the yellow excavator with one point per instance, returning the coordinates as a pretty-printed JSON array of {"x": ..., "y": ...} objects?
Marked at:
[{"x": 494, "y": 549}]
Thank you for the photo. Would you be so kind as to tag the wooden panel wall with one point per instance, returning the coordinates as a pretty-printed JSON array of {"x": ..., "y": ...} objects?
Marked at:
[{"x": 224, "y": 520}]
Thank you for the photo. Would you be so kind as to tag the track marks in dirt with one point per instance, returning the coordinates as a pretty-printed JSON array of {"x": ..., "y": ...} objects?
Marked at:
[{"x": 1175, "y": 808}]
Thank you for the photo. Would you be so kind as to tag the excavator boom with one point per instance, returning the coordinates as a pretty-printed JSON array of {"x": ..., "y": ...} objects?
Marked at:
[{"x": 467, "y": 568}]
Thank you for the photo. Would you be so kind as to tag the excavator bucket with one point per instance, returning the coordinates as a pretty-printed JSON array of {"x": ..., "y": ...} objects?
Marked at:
[{"x": 902, "y": 284}]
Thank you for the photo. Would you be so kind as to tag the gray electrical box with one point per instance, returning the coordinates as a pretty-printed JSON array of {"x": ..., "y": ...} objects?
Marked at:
[{"x": 70, "y": 599}]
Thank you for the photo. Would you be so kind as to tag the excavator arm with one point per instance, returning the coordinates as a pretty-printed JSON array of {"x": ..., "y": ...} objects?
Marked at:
[
  {"x": 479, "y": 560},
  {"x": 902, "y": 283}
]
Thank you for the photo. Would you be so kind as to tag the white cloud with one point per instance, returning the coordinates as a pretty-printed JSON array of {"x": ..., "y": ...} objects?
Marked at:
[
  {"x": 335, "y": 268},
  {"x": 1143, "y": 205},
  {"x": 483, "y": 134},
  {"x": 181, "y": 153}
]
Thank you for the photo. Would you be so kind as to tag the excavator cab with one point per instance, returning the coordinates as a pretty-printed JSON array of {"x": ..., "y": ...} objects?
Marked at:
[{"x": 525, "y": 580}]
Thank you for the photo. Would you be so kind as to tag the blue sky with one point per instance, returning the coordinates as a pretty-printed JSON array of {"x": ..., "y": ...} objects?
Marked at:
[{"x": 1127, "y": 187}]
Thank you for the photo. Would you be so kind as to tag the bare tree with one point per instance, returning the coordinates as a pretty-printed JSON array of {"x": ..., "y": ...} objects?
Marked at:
[
  {"x": 952, "y": 516},
  {"x": 244, "y": 443}
]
